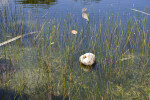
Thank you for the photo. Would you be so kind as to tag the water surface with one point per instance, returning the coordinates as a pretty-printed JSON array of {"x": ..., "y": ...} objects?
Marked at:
[{"x": 59, "y": 8}]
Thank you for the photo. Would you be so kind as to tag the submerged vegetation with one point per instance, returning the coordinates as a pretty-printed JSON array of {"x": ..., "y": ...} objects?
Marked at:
[{"x": 46, "y": 64}]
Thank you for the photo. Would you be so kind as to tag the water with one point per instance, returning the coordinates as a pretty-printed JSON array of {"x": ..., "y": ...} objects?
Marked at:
[
  {"x": 49, "y": 67},
  {"x": 59, "y": 8},
  {"x": 41, "y": 10}
]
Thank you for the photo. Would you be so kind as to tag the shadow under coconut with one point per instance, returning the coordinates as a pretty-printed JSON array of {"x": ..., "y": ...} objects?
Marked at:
[
  {"x": 87, "y": 68},
  {"x": 51, "y": 96}
]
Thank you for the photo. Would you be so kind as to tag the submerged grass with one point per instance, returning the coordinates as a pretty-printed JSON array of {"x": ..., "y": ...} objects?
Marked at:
[{"x": 46, "y": 65}]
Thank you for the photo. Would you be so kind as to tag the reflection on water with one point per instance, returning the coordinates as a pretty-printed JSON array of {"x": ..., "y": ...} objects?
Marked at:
[
  {"x": 40, "y": 3},
  {"x": 37, "y": 1},
  {"x": 87, "y": 68}
]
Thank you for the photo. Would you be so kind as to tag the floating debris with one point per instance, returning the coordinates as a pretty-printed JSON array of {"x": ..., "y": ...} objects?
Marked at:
[
  {"x": 84, "y": 9},
  {"x": 140, "y": 11},
  {"x": 52, "y": 43},
  {"x": 127, "y": 58},
  {"x": 54, "y": 26},
  {"x": 74, "y": 32},
  {"x": 85, "y": 14}
]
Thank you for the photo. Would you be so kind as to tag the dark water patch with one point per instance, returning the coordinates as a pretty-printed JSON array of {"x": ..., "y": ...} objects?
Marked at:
[
  {"x": 6, "y": 66},
  {"x": 12, "y": 95}
]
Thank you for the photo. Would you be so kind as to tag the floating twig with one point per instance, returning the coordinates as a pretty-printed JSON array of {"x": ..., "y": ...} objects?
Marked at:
[
  {"x": 129, "y": 57},
  {"x": 140, "y": 11},
  {"x": 15, "y": 38}
]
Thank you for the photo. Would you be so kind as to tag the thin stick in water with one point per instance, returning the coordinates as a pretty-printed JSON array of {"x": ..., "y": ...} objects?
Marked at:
[
  {"x": 15, "y": 38},
  {"x": 140, "y": 11}
]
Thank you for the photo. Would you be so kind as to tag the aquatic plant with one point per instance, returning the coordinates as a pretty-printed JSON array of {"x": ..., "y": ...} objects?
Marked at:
[{"x": 47, "y": 63}]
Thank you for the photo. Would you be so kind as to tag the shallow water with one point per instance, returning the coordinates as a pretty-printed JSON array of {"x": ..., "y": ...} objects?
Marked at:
[{"x": 51, "y": 65}]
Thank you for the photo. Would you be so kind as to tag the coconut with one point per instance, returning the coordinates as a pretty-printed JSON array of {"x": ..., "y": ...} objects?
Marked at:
[{"x": 87, "y": 59}]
